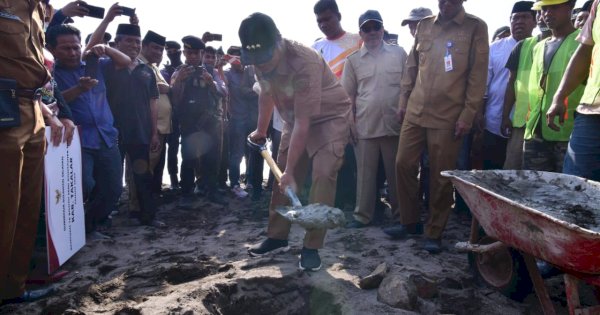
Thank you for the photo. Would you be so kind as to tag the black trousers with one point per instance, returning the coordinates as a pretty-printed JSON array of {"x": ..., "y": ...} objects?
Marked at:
[
  {"x": 201, "y": 155},
  {"x": 494, "y": 151},
  {"x": 139, "y": 155}
]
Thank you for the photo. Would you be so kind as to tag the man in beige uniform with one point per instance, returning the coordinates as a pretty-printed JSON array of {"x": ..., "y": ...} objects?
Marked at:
[
  {"x": 372, "y": 77},
  {"x": 21, "y": 146},
  {"x": 316, "y": 113},
  {"x": 442, "y": 89}
]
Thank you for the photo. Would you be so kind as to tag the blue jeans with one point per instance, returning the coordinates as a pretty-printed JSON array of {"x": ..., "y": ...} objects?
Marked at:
[
  {"x": 102, "y": 182},
  {"x": 583, "y": 154}
]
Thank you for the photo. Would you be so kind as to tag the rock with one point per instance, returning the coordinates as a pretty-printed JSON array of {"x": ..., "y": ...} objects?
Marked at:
[
  {"x": 396, "y": 292},
  {"x": 373, "y": 280},
  {"x": 426, "y": 288}
]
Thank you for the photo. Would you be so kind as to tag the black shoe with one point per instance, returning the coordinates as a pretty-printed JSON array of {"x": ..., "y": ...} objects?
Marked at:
[
  {"x": 217, "y": 198},
  {"x": 30, "y": 296},
  {"x": 355, "y": 224},
  {"x": 270, "y": 245},
  {"x": 157, "y": 224},
  {"x": 174, "y": 182},
  {"x": 400, "y": 231},
  {"x": 433, "y": 246},
  {"x": 256, "y": 196},
  {"x": 309, "y": 259}
]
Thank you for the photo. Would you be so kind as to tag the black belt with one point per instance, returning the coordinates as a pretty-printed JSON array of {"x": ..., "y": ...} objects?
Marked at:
[{"x": 28, "y": 93}]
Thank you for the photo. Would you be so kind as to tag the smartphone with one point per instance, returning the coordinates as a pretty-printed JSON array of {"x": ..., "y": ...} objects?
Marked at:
[
  {"x": 91, "y": 66},
  {"x": 95, "y": 12},
  {"x": 128, "y": 11}
]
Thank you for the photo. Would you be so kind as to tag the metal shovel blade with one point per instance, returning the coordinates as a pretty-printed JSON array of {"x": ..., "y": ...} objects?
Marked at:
[
  {"x": 314, "y": 216},
  {"x": 311, "y": 217}
]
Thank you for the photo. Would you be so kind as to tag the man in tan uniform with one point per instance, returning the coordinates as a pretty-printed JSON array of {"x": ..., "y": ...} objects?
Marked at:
[
  {"x": 316, "y": 113},
  {"x": 372, "y": 79},
  {"x": 22, "y": 145},
  {"x": 442, "y": 88}
]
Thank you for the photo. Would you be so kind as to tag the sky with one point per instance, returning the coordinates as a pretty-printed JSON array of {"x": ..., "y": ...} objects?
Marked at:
[{"x": 295, "y": 19}]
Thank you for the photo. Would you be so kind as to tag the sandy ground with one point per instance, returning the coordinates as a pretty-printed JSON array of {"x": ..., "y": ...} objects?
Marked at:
[{"x": 199, "y": 265}]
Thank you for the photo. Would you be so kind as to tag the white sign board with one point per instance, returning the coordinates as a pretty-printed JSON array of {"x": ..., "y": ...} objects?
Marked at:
[{"x": 65, "y": 219}]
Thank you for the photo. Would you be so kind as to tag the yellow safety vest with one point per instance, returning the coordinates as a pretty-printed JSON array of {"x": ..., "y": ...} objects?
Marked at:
[
  {"x": 522, "y": 82},
  {"x": 540, "y": 99},
  {"x": 590, "y": 95}
]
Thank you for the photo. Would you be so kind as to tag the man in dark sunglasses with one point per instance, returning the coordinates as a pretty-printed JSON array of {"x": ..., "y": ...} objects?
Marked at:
[
  {"x": 372, "y": 77},
  {"x": 443, "y": 86}
]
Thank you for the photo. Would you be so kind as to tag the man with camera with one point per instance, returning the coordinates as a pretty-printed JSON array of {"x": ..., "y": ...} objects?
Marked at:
[
  {"x": 196, "y": 101},
  {"x": 84, "y": 90}
]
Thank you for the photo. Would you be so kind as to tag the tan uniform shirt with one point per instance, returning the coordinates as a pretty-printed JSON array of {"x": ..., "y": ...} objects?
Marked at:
[
  {"x": 438, "y": 98},
  {"x": 22, "y": 42},
  {"x": 302, "y": 85},
  {"x": 373, "y": 81},
  {"x": 163, "y": 124}
]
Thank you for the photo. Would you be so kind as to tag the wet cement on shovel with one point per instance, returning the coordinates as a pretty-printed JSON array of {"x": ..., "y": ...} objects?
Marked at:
[{"x": 314, "y": 216}]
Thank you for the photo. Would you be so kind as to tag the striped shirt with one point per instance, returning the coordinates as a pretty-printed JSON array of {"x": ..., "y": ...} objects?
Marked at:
[{"x": 337, "y": 50}]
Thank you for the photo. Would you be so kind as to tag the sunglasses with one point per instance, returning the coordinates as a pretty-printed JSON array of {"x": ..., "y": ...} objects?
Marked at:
[{"x": 374, "y": 27}]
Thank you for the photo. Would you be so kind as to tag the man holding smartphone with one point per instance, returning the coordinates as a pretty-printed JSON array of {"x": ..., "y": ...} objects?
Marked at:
[{"x": 84, "y": 90}]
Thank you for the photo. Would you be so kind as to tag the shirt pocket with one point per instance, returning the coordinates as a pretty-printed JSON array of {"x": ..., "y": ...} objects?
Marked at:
[
  {"x": 365, "y": 73},
  {"x": 13, "y": 38},
  {"x": 394, "y": 74},
  {"x": 424, "y": 49}
]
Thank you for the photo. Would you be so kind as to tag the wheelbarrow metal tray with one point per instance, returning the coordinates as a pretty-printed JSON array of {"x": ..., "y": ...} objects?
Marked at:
[{"x": 554, "y": 217}]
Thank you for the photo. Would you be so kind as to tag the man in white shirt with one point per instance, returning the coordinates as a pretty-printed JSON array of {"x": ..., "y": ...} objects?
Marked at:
[{"x": 522, "y": 23}]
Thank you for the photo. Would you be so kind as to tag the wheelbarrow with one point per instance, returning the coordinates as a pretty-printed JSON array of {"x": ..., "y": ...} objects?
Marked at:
[{"x": 527, "y": 215}]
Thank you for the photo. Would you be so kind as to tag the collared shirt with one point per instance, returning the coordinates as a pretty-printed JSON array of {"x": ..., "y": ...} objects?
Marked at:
[
  {"x": 165, "y": 109},
  {"x": 498, "y": 76},
  {"x": 335, "y": 51},
  {"x": 243, "y": 102},
  {"x": 373, "y": 81},
  {"x": 129, "y": 93},
  {"x": 438, "y": 98},
  {"x": 22, "y": 38},
  {"x": 302, "y": 85},
  {"x": 90, "y": 109}
]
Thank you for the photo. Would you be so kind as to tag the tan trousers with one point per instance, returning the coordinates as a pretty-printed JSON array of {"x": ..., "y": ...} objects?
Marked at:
[
  {"x": 514, "y": 150},
  {"x": 367, "y": 162},
  {"x": 443, "y": 152},
  {"x": 325, "y": 165},
  {"x": 21, "y": 180}
]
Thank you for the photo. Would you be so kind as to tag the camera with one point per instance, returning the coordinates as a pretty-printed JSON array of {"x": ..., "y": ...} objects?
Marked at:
[
  {"x": 128, "y": 11},
  {"x": 95, "y": 12},
  {"x": 91, "y": 66}
]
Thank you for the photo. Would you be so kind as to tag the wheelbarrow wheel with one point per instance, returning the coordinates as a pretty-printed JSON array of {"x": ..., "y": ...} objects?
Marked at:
[{"x": 504, "y": 269}]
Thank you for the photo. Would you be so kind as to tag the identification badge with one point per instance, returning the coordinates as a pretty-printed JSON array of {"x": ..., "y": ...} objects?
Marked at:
[
  {"x": 448, "y": 63},
  {"x": 448, "y": 58}
]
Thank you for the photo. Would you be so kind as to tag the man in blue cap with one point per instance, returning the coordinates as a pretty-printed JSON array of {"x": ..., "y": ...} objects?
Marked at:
[{"x": 317, "y": 115}]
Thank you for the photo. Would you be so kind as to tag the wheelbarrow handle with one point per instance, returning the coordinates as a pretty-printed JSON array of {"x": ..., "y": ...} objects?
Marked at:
[{"x": 275, "y": 169}]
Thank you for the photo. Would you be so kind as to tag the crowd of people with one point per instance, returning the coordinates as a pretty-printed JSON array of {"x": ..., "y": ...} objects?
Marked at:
[{"x": 354, "y": 118}]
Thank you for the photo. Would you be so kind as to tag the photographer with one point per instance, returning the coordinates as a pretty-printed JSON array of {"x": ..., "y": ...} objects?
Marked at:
[{"x": 196, "y": 101}]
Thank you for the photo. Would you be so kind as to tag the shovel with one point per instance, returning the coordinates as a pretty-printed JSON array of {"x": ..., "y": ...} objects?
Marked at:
[{"x": 311, "y": 217}]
